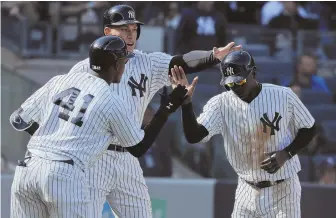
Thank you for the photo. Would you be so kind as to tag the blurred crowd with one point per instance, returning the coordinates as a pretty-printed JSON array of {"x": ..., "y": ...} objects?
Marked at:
[{"x": 201, "y": 25}]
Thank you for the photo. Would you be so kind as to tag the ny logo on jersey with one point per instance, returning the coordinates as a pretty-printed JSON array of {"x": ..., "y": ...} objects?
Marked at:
[
  {"x": 131, "y": 14},
  {"x": 141, "y": 86},
  {"x": 266, "y": 122},
  {"x": 229, "y": 71}
]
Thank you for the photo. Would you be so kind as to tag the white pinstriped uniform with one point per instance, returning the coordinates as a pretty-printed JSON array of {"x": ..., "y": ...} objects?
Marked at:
[
  {"x": 246, "y": 138},
  {"x": 119, "y": 174},
  {"x": 78, "y": 116}
]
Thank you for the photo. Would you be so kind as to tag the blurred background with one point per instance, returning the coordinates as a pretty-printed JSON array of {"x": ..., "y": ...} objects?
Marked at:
[{"x": 294, "y": 45}]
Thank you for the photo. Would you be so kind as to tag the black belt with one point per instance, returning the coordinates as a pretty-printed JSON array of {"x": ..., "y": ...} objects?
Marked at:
[
  {"x": 112, "y": 147},
  {"x": 22, "y": 163},
  {"x": 264, "y": 184}
]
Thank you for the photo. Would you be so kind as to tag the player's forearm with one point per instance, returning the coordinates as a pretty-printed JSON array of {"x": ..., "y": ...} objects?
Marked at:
[
  {"x": 302, "y": 139},
  {"x": 194, "y": 61},
  {"x": 193, "y": 131},
  {"x": 152, "y": 130}
]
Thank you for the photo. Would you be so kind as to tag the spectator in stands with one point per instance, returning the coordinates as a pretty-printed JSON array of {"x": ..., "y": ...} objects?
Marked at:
[
  {"x": 241, "y": 12},
  {"x": 291, "y": 20},
  {"x": 305, "y": 75},
  {"x": 272, "y": 9},
  {"x": 200, "y": 27},
  {"x": 328, "y": 171},
  {"x": 173, "y": 17}
]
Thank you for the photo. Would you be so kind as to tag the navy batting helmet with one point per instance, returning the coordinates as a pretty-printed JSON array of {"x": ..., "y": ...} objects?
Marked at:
[
  {"x": 106, "y": 51},
  {"x": 236, "y": 66},
  {"x": 121, "y": 15}
]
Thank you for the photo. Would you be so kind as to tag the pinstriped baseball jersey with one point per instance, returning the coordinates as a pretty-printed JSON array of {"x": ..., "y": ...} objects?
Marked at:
[
  {"x": 79, "y": 116},
  {"x": 269, "y": 123},
  {"x": 124, "y": 184},
  {"x": 144, "y": 75}
]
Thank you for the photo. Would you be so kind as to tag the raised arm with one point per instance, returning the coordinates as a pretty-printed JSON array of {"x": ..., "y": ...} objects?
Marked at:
[
  {"x": 128, "y": 132},
  {"x": 196, "y": 61},
  {"x": 208, "y": 123}
]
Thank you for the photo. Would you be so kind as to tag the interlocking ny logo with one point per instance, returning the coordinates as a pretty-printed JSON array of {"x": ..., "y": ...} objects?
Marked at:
[
  {"x": 131, "y": 14},
  {"x": 267, "y": 122},
  {"x": 141, "y": 86},
  {"x": 229, "y": 71}
]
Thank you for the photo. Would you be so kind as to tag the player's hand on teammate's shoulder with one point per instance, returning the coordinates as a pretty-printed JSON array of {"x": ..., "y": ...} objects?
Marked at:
[
  {"x": 178, "y": 77},
  {"x": 274, "y": 161},
  {"x": 221, "y": 52}
]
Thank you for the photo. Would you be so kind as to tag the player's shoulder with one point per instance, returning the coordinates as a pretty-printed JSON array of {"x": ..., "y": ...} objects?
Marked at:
[
  {"x": 281, "y": 90},
  {"x": 274, "y": 87},
  {"x": 217, "y": 99},
  {"x": 80, "y": 66}
]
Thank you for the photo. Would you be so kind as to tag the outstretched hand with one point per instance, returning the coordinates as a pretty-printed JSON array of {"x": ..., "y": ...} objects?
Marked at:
[
  {"x": 178, "y": 77},
  {"x": 221, "y": 52}
]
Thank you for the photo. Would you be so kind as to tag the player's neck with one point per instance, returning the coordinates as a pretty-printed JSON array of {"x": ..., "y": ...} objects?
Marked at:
[
  {"x": 254, "y": 93},
  {"x": 102, "y": 76}
]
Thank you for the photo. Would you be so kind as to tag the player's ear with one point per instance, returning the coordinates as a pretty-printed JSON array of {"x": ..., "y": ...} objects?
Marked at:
[{"x": 107, "y": 31}]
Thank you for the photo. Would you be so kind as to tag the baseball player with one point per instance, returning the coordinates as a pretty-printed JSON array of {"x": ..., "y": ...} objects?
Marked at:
[
  {"x": 118, "y": 174},
  {"x": 77, "y": 117},
  {"x": 264, "y": 126}
]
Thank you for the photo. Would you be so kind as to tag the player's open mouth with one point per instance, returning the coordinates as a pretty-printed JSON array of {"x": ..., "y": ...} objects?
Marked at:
[{"x": 130, "y": 44}]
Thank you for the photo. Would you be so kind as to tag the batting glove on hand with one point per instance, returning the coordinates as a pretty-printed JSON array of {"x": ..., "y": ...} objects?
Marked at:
[{"x": 174, "y": 100}]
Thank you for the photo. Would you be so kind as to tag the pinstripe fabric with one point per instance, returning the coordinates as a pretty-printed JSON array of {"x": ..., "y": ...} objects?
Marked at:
[
  {"x": 247, "y": 137},
  {"x": 79, "y": 116},
  {"x": 116, "y": 174},
  {"x": 279, "y": 201},
  {"x": 48, "y": 188}
]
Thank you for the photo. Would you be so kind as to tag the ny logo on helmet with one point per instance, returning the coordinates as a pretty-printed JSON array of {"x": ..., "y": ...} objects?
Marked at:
[
  {"x": 229, "y": 71},
  {"x": 131, "y": 14}
]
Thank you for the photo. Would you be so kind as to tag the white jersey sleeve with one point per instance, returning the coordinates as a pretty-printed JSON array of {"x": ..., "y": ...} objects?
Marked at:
[
  {"x": 301, "y": 117},
  {"x": 123, "y": 125},
  {"x": 211, "y": 117},
  {"x": 32, "y": 108},
  {"x": 160, "y": 68}
]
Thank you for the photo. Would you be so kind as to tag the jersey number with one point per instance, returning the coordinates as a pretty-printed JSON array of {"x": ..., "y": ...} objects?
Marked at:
[{"x": 69, "y": 105}]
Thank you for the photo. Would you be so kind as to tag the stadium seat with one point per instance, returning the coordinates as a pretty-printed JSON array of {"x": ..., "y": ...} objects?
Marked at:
[
  {"x": 323, "y": 112},
  {"x": 310, "y": 97},
  {"x": 267, "y": 78},
  {"x": 275, "y": 67},
  {"x": 329, "y": 129},
  {"x": 258, "y": 50},
  {"x": 331, "y": 83},
  {"x": 306, "y": 168}
]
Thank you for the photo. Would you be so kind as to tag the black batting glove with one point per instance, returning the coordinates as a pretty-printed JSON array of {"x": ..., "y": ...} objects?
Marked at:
[{"x": 174, "y": 100}]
